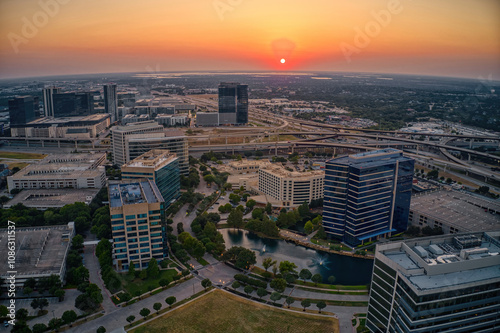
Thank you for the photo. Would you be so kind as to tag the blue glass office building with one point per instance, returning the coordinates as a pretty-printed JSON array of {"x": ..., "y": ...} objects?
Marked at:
[{"x": 367, "y": 195}]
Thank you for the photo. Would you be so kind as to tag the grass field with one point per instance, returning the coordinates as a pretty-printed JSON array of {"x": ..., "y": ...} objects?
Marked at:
[
  {"x": 137, "y": 286},
  {"x": 222, "y": 312},
  {"x": 21, "y": 156}
]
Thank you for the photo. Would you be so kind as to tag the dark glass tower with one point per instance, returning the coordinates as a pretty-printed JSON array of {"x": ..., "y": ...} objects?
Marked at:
[
  {"x": 233, "y": 103},
  {"x": 110, "y": 101},
  {"x": 21, "y": 110},
  {"x": 367, "y": 195},
  {"x": 72, "y": 104}
]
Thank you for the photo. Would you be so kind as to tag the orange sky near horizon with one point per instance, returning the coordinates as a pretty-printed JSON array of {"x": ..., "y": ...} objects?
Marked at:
[{"x": 446, "y": 37}]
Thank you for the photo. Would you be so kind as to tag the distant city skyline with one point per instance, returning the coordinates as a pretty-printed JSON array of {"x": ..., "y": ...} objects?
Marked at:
[{"x": 456, "y": 38}]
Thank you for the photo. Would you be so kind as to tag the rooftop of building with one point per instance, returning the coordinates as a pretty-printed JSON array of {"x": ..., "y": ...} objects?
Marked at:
[
  {"x": 446, "y": 261},
  {"x": 97, "y": 117},
  {"x": 279, "y": 171},
  {"x": 163, "y": 135},
  {"x": 54, "y": 165},
  {"x": 464, "y": 211},
  {"x": 370, "y": 158},
  {"x": 134, "y": 193},
  {"x": 153, "y": 158},
  {"x": 137, "y": 126},
  {"x": 52, "y": 198},
  {"x": 245, "y": 162},
  {"x": 40, "y": 250}
]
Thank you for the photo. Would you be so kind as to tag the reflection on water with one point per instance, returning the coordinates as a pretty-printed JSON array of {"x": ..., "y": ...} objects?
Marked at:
[{"x": 347, "y": 270}]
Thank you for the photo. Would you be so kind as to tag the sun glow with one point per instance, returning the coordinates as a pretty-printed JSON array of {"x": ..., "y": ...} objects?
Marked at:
[{"x": 282, "y": 60}]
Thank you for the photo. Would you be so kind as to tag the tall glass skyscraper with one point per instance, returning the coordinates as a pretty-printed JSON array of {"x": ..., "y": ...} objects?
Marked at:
[
  {"x": 233, "y": 103},
  {"x": 111, "y": 101},
  {"x": 21, "y": 110},
  {"x": 367, "y": 195}
]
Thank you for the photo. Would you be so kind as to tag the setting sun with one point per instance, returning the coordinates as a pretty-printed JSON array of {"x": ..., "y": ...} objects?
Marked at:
[{"x": 282, "y": 60}]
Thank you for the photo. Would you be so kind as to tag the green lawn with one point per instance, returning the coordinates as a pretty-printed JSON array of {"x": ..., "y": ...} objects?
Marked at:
[
  {"x": 136, "y": 286},
  {"x": 222, "y": 312},
  {"x": 21, "y": 156}
]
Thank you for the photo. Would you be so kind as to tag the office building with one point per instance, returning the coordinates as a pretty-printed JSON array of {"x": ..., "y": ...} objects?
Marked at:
[
  {"x": 290, "y": 189},
  {"x": 207, "y": 119},
  {"x": 119, "y": 134},
  {"x": 72, "y": 104},
  {"x": 40, "y": 252},
  {"x": 233, "y": 103},
  {"x": 75, "y": 171},
  {"x": 45, "y": 198},
  {"x": 48, "y": 100},
  {"x": 21, "y": 110},
  {"x": 86, "y": 127},
  {"x": 454, "y": 212},
  {"x": 111, "y": 101},
  {"x": 437, "y": 284},
  {"x": 137, "y": 224},
  {"x": 131, "y": 141},
  {"x": 160, "y": 166},
  {"x": 367, "y": 195}
]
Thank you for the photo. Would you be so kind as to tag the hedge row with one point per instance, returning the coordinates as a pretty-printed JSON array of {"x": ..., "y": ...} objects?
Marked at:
[{"x": 247, "y": 280}]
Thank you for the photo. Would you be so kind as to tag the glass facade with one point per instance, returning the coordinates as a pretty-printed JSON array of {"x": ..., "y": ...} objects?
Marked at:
[
  {"x": 233, "y": 98},
  {"x": 367, "y": 195}
]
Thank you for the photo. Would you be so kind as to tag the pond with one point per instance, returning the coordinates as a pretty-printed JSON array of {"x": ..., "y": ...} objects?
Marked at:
[{"x": 348, "y": 270}]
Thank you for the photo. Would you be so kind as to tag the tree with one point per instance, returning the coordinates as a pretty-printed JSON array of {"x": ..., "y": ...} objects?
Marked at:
[
  {"x": 305, "y": 274},
  {"x": 332, "y": 279},
  {"x": 55, "y": 323},
  {"x": 180, "y": 228},
  {"x": 287, "y": 267},
  {"x": 209, "y": 178},
  {"x": 69, "y": 316},
  {"x": 261, "y": 292},
  {"x": 268, "y": 262},
  {"x": 153, "y": 269},
  {"x": 206, "y": 283},
  {"x": 241, "y": 257},
  {"x": 248, "y": 290},
  {"x": 308, "y": 227},
  {"x": 170, "y": 300},
  {"x": 275, "y": 296},
  {"x": 101, "y": 329},
  {"x": 251, "y": 203},
  {"x": 22, "y": 314},
  {"x": 163, "y": 283},
  {"x": 305, "y": 304},
  {"x": 39, "y": 328},
  {"x": 3, "y": 311},
  {"x": 77, "y": 242},
  {"x": 269, "y": 208},
  {"x": 236, "y": 285},
  {"x": 27, "y": 291},
  {"x": 433, "y": 174},
  {"x": 289, "y": 300},
  {"x": 144, "y": 312},
  {"x": 131, "y": 269},
  {"x": 317, "y": 278},
  {"x": 449, "y": 180},
  {"x": 321, "y": 305},
  {"x": 39, "y": 303},
  {"x": 234, "y": 198},
  {"x": 278, "y": 284},
  {"x": 59, "y": 293},
  {"x": 235, "y": 218},
  {"x": 290, "y": 278},
  {"x": 157, "y": 307},
  {"x": 130, "y": 319},
  {"x": 31, "y": 283}
]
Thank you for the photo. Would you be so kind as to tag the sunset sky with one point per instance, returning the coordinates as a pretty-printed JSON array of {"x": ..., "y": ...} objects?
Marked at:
[{"x": 445, "y": 37}]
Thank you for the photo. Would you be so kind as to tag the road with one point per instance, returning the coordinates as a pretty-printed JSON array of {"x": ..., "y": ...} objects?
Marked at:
[{"x": 117, "y": 319}]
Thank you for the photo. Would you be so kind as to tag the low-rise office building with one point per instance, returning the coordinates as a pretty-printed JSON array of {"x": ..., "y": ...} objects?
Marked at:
[
  {"x": 75, "y": 171},
  {"x": 86, "y": 127},
  {"x": 454, "y": 211},
  {"x": 160, "y": 166},
  {"x": 137, "y": 224},
  {"x": 288, "y": 188},
  {"x": 437, "y": 284}
]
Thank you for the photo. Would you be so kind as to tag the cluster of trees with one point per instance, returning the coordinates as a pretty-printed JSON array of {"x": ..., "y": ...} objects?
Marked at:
[
  {"x": 313, "y": 224},
  {"x": 50, "y": 285},
  {"x": 103, "y": 252},
  {"x": 101, "y": 223},
  {"x": 90, "y": 299},
  {"x": 205, "y": 231},
  {"x": 144, "y": 312},
  {"x": 76, "y": 273},
  {"x": 188, "y": 197},
  {"x": 240, "y": 257},
  {"x": 214, "y": 157},
  {"x": 192, "y": 180},
  {"x": 192, "y": 245},
  {"x": 261, "y": 223}
]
